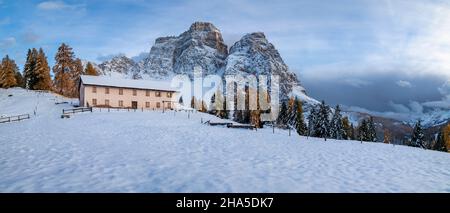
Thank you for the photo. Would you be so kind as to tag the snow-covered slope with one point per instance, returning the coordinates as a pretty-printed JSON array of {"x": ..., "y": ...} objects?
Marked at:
[{"x": 153, "y": 151}]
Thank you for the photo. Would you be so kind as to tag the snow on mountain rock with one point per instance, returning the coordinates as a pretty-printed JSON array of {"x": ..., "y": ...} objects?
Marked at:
[
  {"x": 202, "y": 45},
  {"x": 152, "y": 151},
  {"x": 120, "y": 66},
  {"x": 253, "y": 54}
]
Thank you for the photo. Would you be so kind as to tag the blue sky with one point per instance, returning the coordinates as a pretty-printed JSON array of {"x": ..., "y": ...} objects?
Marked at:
[{"x": 389, "y": 52}]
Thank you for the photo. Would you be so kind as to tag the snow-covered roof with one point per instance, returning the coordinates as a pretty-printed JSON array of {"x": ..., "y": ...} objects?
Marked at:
[{"x": 126, "y": 83}]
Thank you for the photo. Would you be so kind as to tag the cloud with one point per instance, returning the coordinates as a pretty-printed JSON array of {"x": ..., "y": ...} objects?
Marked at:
[
  {"x": 30, "y": 37},
  {"x": 7, "y": 43},
  {"x": 5, "y": 21},
  {"x": 356, "y": 82},
  {"x": 56, "y": 5},
  {"x": 405, "y": 84},
  {"x": 399, "y": 107},
  {"x": 444, "y": 103}
]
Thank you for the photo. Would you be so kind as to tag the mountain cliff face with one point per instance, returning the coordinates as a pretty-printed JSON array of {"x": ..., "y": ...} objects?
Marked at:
[
  {"x": 253, "y": 54},
  {"x": 120, "y": 66},
  {"x": 203, "y": 46}
]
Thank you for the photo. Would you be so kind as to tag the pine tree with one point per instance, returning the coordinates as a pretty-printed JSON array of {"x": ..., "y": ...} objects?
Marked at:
[
  {"x": 371, "y": 131},
  {"x": 29, "y": 75},
  {"x": 90, "y": 70},
  {"x": 282, "y": 115},
  {"x": 75, "y": 77},
  {"x": 19, "y": 80},
  {"x": 446, "y": 136},
  {"x": 353, "y": 135},
  {"x": 64, "y": 61},
  {"x": 363, "y": 131},
  {"x": 440, "y": 143},
  {"x": 347, "y": 134},
  {"x": 312, "y": 120},
  {"x": 40, "y": 73},
  {"x": 417, "y": 138},
  {"x": 387, "y": 136},
  {"x": 322, "y": 128},
  {"x": 337, "y": 129},
  {"x": 300, "y": 125},
  {"x": 291, "y": 112},
  {"x": 8, "y": 73}
]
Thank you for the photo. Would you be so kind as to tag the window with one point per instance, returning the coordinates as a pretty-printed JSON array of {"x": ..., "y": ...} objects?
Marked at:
[
  {"x": 94, "y": 89},
  {"x": 158, "y": 105},
  {"x": 158, "y": 94},
  {"x": 147, "y": 92},
  {"x": 147, "y": 104},
  {"x": 106, "y": 102},
  {"x": 120, "y": 103},
  {"x": 134, "y": 92},
  {"x": 169, "y": 94},
  {"x": 94, "y": 101},
  {"x": 120, "y": 91},
  {"x": 106, "y": 90}
]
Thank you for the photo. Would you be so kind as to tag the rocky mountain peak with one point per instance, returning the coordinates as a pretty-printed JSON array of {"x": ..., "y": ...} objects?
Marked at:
[{"x": 203, "y": 26}]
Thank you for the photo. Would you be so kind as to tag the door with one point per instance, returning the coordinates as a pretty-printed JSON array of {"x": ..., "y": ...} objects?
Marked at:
[{"x": 134, "y": 104}]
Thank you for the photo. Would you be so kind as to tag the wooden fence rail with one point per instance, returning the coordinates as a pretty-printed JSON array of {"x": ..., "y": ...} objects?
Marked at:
[
  {"x": 14, "y": 118},
  {"x": 76, "y": 110}
]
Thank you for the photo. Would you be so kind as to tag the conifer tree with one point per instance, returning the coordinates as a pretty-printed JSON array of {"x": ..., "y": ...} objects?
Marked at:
[
  {"x": 363, "y": 131},
  {"x": 282, "y": 115},
  {"x": 300, "y": 125},
  {"x": 353, "y": 135},
  {"x": 29, "y": 76},
  {"x": 371, "y": 131},
  {"x": 440, "y": 142},
  {"x": 312, "y": 119},
  {"x": 75, "y": 77},
  {"x": 8, "y": 73},
  {"x": 19, "y": 80},
  {"x": 417, "y": 138},
  {"x": 40, "y": 73},
  {"x": 348, "y": 128},
  {"x": 64, "y": 61},
  {"x": 337, "y": 129},
  {"x": 387, "y": 138},
  {"x": 90, "y": 70},
  {"x": 322, "y": 128}
]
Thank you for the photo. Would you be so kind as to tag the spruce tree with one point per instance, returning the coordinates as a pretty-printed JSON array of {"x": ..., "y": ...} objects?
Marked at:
[
  {"x": 440, "y": 143},
  {"x": 90, "y": 70},
  {"x": 363, "y": 131},
  {"x": 353, "y": 134},
  {"x": 64, "y": 66},
  {"x": 347, "y": 133},
  {"x": 337, "y": 129},
  {"x": 29, "y": 75},
  {"x": 41, "y": 73},
  {"x": 312, "y": 120},
  {"x": 8, "y": 73},
  {"x": 417, "y": 138},
  {"x": 371, "y": 131},
  {"x": 282, "y": 115},
  {"x": 19, "y": 80},
  {"x": 300, "y": 124},
  {"x": 322, "y": 128}
]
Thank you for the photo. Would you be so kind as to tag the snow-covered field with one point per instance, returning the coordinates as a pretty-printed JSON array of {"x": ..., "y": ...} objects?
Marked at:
[{"x": 156, "y": 152}]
